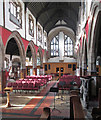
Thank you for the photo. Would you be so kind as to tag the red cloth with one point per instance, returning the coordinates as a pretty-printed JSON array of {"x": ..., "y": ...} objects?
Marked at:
[
  {"x": 25, "y": 42},
  {"x": 4, "y": 34},
  {"x": 87, "y": 28},
  {"x": 43, "y": 51}
]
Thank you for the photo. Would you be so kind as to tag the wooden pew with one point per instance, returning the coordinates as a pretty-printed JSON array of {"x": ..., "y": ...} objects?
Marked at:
[
  {"x": 74, "y": 93},
  {"x": 96, "y": 112},
  {"x": 45, "y": 114},
  {"x": 76, "y": 110}
]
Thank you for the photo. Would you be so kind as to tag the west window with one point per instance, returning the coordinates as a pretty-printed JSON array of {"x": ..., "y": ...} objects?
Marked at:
[
  {"x": 55, "y": 46},
  {"x": 15, "y": 13},
  {"x": 68, "y": 46}
]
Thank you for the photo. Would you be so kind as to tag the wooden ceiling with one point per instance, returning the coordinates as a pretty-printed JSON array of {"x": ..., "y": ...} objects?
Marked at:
[{"x": 49, "y": 13}]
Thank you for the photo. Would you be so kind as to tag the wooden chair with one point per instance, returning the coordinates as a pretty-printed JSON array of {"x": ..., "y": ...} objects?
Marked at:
[{"x": 45, "y": 114}]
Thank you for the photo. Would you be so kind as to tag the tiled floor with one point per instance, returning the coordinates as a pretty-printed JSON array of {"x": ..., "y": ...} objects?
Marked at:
[{"x": 30, "y": 106}]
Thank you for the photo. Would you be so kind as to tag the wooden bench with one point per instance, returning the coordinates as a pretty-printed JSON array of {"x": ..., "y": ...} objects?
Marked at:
[
  {"x": 74, "y": 93},
  {"x": 45, "y": 114},
  {"x": 76, "y": 110},
  {"x": 96, "y": 112}
]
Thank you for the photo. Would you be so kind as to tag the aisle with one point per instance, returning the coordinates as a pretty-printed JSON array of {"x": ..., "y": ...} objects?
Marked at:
[{"x": 34, "y": 107}]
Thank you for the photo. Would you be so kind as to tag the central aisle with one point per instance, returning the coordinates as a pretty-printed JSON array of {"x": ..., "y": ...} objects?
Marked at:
[{"x": 34, "y": 108}]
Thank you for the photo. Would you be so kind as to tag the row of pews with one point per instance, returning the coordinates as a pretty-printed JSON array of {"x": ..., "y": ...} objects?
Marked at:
[{"x": 76, "y": 109}]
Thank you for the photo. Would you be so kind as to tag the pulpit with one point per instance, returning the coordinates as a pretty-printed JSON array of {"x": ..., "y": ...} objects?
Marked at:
[{"x": 8, "y": 90}]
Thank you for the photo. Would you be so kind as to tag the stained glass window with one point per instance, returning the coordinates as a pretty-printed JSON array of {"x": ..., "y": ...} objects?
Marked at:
[
  {"x": 55, "y": 46},
  {"x": 68, "y": 46}
]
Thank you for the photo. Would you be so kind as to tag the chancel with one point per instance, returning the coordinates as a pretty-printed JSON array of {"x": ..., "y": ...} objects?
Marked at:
[{"x": 50, "y": 59}]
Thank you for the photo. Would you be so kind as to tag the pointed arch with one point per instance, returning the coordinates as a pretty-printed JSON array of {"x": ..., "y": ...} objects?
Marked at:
[
  {"x": 2, "y": 81},
  {"x": 1, "y": 54},
  {"x": 93, "y": 38},
  {"x": 33, "y": 51},
  {"x": 16, "y": 36},
  {"x": 45, "y": 57},
  {"x": 41, "y": 55},
  {"x": 84, "y": 57}
]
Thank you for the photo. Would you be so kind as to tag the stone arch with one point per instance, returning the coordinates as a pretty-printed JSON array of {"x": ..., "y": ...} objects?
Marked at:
[
  {"x": 93, "y": 39},
  {"x": 20, "y": 45},
  {"x": 94, "y": 9},
  {"x": 41, "y": 55},
  {"x": 84, "y": 57},
  {"x": 56, "y": 30},
  {"x": 1, "y": 54},
  {"x": 66, "y": 30},
  {"x": 33, "y": 51},
  {"x": 78, "y": 63},
  {"x": 83, "y": 40},
  {"x": 45, "y": 56}
]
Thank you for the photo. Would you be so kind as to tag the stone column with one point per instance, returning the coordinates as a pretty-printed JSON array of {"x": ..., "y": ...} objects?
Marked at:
[
  {"x": 61, "y": 44},
  {"x": 10, "y": 65},
  {"x": 91, "y": 65},
  {"x": 84, "y": 68},
  {"x": 2, "y": 80},
  {"x": 80, "y": 71},
  {"x": 80, "y": 68}
]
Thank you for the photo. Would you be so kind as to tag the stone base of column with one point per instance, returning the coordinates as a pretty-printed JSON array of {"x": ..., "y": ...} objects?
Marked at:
[
  {"x": 2, "y": 82},
  {"x": 80, "y": 71},
  {"x": 92, "y": 73},
  {"x": 84, "y": 72}
]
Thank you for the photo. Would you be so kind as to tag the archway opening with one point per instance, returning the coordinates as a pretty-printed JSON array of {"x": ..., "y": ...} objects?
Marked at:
[
  {"x": 38, "y": 63},
  {"x": 86, "y": 60},
  {"x": 29, "y": 62},
  {"x": 98, "y": 45},
  {"x": 1, "y": 66},
  {"x": 13, "y": 66},
  {"x": 98, "y": 55}
]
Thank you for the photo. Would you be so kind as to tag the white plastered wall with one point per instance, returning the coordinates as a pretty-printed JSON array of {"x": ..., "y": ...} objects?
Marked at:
[{"x": 1, "y": 12}]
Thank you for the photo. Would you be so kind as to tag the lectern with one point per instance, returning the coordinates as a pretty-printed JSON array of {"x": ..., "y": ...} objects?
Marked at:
[
  {"x": 8, "y": 90},
  {"x": 55, "y": 90}
]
